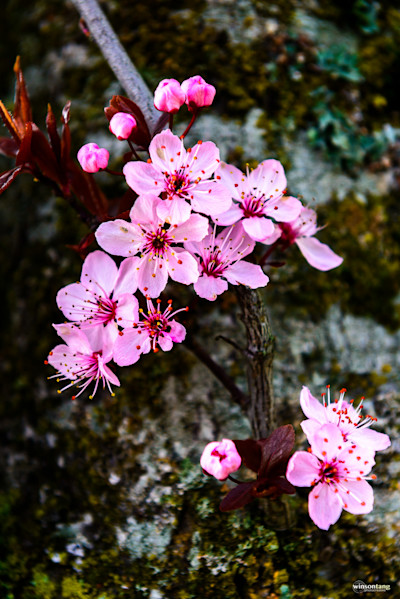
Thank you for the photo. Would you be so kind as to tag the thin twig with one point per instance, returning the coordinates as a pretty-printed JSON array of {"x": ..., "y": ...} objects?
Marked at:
[
  {"x": 237, "y": 394},
  {"x": 112, "y": 50}
]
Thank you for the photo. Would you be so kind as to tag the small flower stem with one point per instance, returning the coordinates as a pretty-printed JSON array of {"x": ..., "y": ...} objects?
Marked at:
[
  {"x": 268, "y": 253},
  {"x": 234, "y": 480},
  {"x": 237, "y": 394},
  {"x": 260, "y": 353},
  {"x": 111, "y": 172},
  {"x": 192, "y": 120},
  {"x": 136, "y": 155}
]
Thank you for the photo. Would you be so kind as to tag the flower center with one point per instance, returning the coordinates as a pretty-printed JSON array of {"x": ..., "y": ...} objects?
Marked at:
[
  {"x": 177, "y": 183},
  {"x": 106, "y": 310},
  {"x": 212, "y": 265},
  {"x": 252, "y": 206},
  {"x": 216, "y": 453},
  {"x": 158, "y": 241},
  {"x": 329, "y": 472}
]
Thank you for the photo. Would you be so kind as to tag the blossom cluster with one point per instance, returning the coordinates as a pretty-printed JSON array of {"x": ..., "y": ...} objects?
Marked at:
[
  {"x": 194, "y": 221},
  {"x": 337, "y": 465}
]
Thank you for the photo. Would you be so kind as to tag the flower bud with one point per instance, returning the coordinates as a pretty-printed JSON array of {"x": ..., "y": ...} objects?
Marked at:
[
  {"x": 220, "y": 459},
  {"x": 169, "y": 96},
  {"x": 198, "y": 92},
  {"x": 92, "y": 158},
  {"x": 122, "y": 125}
]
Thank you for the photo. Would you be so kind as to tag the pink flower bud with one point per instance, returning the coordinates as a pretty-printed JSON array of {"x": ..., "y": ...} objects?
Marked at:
[
  {"x": 220, "y": 459},
  {"x": 198, "y": 92},
  {"x": 92, "y": 158},
  {"x": 169, "y": 96},
  {"x": 122, "y": 125}
]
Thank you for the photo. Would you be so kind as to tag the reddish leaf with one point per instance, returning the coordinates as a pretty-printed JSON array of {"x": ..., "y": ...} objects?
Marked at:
[
  {"x": 51, "y": 125},
  {"x": 66, "y": 135},
  {"x": 86, "y": 189},
  {"x": 237, "y": 497},
  {"x": 273, "y": 487},
  {"x": 24, "y": 153},
  {"x": 250, "y": 452},
  {"x": 82, "y": 247},
  {"x": 10, "y": 123},
  {"x": 276, "y": 450},
  {"x": 140, "y": 134},
  {"x": 8, "y": 177},
  {"x": 22, "y": 105},
  {"x": 160, "y": 124},
  {"x": 8, "y": 147},
  {"x": 44, "y": 157}
]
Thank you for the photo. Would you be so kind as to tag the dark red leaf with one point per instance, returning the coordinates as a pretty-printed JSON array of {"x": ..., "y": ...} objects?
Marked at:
[
  {"x": 82, "y": 247},
  {"x": 51, "y": 125},
  {"x": 44, "y": 157},
  {"x": 8, "y": 147},
  {"x": 275, "y": 451},
  {"x": 237, "y": 497},
  {"x": 140, "y": 134},
  {"x": 86, "y": 189},
  {"x": 250, "y": 452},
  {"x": 9, "y": 122},
  {"x": 160, "y": 124},
  {"x": 273, "y": 487},
  {"x": 65, "y": 136},
  {"x": 22, "y": 105},
  {"x": 24, "y": 153},
  {"x": 8, "y": 177}
]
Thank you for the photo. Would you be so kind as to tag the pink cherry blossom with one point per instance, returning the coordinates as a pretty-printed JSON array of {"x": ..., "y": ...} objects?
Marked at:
[
  {"x": 156, "y": 242},
  {"x": 220, "y": 459},
  {"x": 198, "y": 92},
  {"x": 353, "y": 426},
  {"x": 181, "y": 176},
  {"x": 122, "y": 124},
  {"x": 103, "y": 296},
  {"x": 337, "y": 475},
  {"x": 92, "y": 158},
  {"x": 156, "y": 330},
  {"x": 258, "y": 199},
  {"x": 220, "y": 261},
  {"x": 301, "y": 231},
  {"x": 169, "y": 96},
  {"x": 83, "y": 359}
]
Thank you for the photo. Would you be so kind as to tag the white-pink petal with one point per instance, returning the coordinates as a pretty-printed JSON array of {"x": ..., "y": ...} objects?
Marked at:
[
  {"x": 312, "y": 408},
  {"x": 268, "y": 178},
  {"x": 129, "y": 347},
  {"x": 152, "y": 276},
  {"x": 119, "y": 237},
  {"x": 229, "y": 217},
  {"x": 203, "y": 160},
  {"x": 210, "y": 197},
  {"x": 174, "y": 210},
  {"x": 142, "y": 177},
  {"x": 246, "y": 273},
  {"x": 258, "y": 227},
  {"x": 210, "y": 287},
  {"x": 233, "y": 179},
  {"x": 127, "y": 277},
  {"x": 357, "y": 496},
  {"x": 99, "y": 272},
  {"x": 194, "y": 229},
  {"x": 303, "y": 469},
  {"x": 284, "y": 209},
  {"x": 144, "y": 210},
  {"x": 324, "y": 506},
  {"x": 318, "y": 254},
  {"x": 182, "y": 267},
  {"x": 167, "y": 152}
]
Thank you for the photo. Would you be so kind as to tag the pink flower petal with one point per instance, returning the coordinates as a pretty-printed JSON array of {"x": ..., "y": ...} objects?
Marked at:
[
  {"x": 127, "y": 276},
  {"x": 165, "y": 342},
  {"x": 283, "y": 209},
  {"x": 119, "y": 237},
  {"x": 99, "y": 272},
  {"x": 144, "y": 210},
  {"x": 203, "y": 160},
  {"x": 177, "y": 331},
  {"x": 167, "y": 152},
  {"x": 268, "y": 178},
  {"x": 312, "y": 408},
  {"x": 71, "y": 300},
  {"x": 318, "y": 254},
  {"x": 303, "y": 469},
  {"x": 210, "y": 197},
  {"x": 327, "y": 442},
  {"x": 127, "y": 311},
  {"x": 182, "y": 267},
  {"x": 324, "y": 506},
  {"x": 246, "y": 274},
  {"x": 152, "y": 276},
  {"x": 142, "y": 177},
  {"x": 357, "y": 496},
  {"x": 258, "y": 228},
  {"x": 210, "y": 287},
  {"x": 370, "y": 439},
  {"x": 229, "y": 217},
  {"x": 233, "y": 179},
  {"x": 175, "y": 210},
  {"x": 194, "y": 229},
  {"x": 129, "y": 347}
]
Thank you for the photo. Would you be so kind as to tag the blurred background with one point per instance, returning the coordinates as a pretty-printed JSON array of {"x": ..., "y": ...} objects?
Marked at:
[{"x": 105, "y": 498}]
